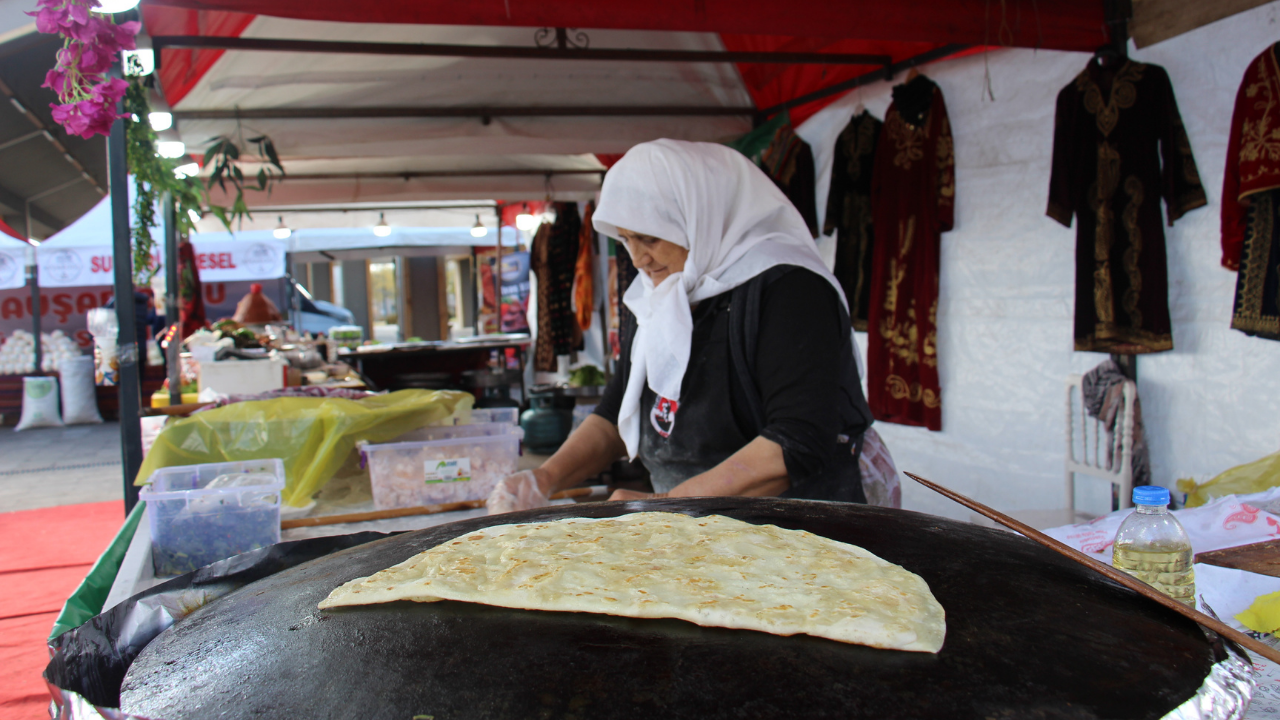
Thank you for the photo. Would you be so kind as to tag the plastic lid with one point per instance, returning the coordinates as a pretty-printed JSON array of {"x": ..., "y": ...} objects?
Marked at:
[{"x": 1150, "y": 495}]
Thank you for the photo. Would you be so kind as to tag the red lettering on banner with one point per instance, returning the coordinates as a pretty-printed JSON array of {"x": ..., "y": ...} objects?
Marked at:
[
  {"x": 84, "y": 338},
  {"x": 231, "y": 261},
  {"x": 100, "y": 264},
  {"x": 62, "y": 307},
  {"x": 215, "y": 293},
  {"x": 85, "y": 302},
  {"x": 11, "y": 308},
  {"x": 104, "y": 297}
]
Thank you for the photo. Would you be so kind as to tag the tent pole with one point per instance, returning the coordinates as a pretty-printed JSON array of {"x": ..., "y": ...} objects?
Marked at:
[
  {"x": 129, "y": 378},
  {"x": 35, "y": 295},
  {"x": 173, "y": 354},
  {"x": 497, "y": 281}
]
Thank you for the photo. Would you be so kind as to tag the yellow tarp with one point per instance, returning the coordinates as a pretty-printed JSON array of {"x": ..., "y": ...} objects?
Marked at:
[
  {"x": 1254, "y": 477},
  {"x": 313, "y": 436},
  {"x": 1263, "y": 615}
]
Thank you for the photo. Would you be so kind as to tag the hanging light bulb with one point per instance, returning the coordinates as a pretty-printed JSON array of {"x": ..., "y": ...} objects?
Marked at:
[
  {"x": 479, "y": 230},
  {"x": 171, "y": 149},
  {"x": 526, "y": 222},
  {"x": 382, "y": 229},
  {"x": 160, "y": 120},
  {"x": 187, "y": 170},
  {"x": 549, "y": 215},
  {"x": 115, "y": 6},
  {"x": 282, "y": 231}
]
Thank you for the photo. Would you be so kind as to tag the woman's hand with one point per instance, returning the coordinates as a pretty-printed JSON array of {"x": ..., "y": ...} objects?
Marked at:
[{"x": 635, "y": 495}]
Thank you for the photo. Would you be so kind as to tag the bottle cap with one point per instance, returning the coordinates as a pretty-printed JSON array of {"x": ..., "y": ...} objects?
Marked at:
[{"x": 1150, "y": 495}]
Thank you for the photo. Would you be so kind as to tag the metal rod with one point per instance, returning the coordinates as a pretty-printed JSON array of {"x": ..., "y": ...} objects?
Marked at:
[
  {"x": 369, "y": 208},
  {"x": 164, "y": 42},
  {"x": 434, "y": 174},
  {"x": 172, "y": 313},
  {"x": 1111, "y": 573},
  {"x": 876, "y": 76},
  {"x": 482, "y": 112},
  {"x": 36, "y": 308},
  {"x": 20, "y": 139},
  {"x": 39, "y": 124},
  {"x": 128, "y": 378}
]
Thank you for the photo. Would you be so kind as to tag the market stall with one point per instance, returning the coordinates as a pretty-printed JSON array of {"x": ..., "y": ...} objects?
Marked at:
[{"x": 1000, "y": 342}]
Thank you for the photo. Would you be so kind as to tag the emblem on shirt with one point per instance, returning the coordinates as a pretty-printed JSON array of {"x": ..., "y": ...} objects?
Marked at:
[{"x": 663, "y": 416}]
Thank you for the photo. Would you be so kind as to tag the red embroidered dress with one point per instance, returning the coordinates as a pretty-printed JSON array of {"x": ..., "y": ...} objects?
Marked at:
[{"x": 913, "y": 203}]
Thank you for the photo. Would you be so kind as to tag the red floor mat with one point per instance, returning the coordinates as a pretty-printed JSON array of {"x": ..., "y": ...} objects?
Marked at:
[{"x": 44, "y": 554}]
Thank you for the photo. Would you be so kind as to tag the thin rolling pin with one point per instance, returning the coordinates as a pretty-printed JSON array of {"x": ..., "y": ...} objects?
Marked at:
[
  {"x": 1124, "y": 579},
  {"x": 406, "y": 512}
]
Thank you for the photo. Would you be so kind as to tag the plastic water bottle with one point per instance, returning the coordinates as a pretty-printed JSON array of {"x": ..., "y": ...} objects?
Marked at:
[{"x": 1152, "y": 546}]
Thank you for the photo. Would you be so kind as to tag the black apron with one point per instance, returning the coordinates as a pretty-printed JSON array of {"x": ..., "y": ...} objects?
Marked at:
[{"x": 679, "y": 440}]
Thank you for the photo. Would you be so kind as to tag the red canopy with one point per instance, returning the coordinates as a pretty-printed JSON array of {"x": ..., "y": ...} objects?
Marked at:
[{"x": 4, "y": 228}]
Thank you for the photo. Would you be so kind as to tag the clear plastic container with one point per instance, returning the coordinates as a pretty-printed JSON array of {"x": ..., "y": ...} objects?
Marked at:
[
  {"x": 1152, "y": 546},
  {"x": 200, "y": 514},
  {"x": 442, "y": 464},
  {"x": 507, "y": 415}
]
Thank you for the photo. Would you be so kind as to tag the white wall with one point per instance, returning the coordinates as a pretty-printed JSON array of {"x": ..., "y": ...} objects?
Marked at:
[{"x": 1005, "y": 316}]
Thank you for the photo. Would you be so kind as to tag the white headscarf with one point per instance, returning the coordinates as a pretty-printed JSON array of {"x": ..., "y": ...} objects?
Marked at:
[{"x": 735, "y": 223}]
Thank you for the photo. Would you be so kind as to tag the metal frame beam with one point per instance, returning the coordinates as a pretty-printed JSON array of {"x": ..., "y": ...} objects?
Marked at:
[
  {"x": 886, "y": 74},
  {"x": 39, "y": 124},
  {"x": 484, "y": 113},
  {"x": 16, "y": 202},
  {"x": 435, "y": 174},
  {"x": 168, "y": 42}
]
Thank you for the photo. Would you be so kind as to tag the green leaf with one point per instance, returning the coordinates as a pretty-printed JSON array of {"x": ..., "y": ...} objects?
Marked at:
[
  {"x": 271, "y": 154},
  {"x": 231, "y": 150},
  {"x": 258, "y": 139},
  {"x": 237, "y": 174},
  {"x": 208, "y": 154},
  {"x": 262, "y": 178},
  {"x": 221, "y": 213}
]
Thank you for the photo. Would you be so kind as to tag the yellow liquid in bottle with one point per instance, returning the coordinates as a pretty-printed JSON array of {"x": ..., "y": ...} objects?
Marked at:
[{"x": 1167, "y": 570}]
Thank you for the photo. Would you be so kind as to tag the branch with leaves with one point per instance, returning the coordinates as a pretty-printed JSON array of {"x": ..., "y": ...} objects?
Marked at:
[
  {"x": 154, "y": 176},
  {"x": 224, "y": 157}
]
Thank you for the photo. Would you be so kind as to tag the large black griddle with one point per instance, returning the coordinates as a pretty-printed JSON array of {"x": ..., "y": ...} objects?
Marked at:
[{"x": 1030, "y": 634}]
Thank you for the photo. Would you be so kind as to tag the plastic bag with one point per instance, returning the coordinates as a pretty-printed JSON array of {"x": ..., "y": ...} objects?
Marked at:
[
  {"x": 313, "y": 436},
  {"x": 1253, "y": 477},
  {"x": 39, "y": 403},
  {"x": 79, "y": 398}
]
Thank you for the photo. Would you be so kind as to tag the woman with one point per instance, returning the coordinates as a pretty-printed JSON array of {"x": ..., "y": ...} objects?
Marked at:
[{"x": 740, "y": 379}]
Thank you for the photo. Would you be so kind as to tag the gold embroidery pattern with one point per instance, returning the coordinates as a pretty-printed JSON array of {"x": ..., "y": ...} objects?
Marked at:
[
  {"x": 1255, "y": 261},
  {"x": 900, "y": 337},
  {"x": 946, "y": 164},
  {"x": 907, "y": 140},
  {"x": 1100, "y": 202},
  {"x": 900, "y": 389},
  {"x": 1123, "y": 94},
  {"x": 1189, "y": 172},
  {"x": 931, "y": 338},
  {"x": 1112, "y": 338},
  {"x": 1133, "y": 186},
  {"x": 1259, "y": 140}
]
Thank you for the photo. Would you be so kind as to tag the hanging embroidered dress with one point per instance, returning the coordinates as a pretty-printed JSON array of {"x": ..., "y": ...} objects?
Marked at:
[
  {"x": 1118, "y": 147},
  {"x": 849, "y": 212},
  {"x": 552, "y": 259},
  {"x": 1251, "y": 199},
  {"x": 913, "y": 202}
]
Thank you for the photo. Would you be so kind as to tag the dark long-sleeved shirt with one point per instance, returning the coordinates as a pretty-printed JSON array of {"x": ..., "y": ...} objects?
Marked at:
[{"x": 771, "y": 358}]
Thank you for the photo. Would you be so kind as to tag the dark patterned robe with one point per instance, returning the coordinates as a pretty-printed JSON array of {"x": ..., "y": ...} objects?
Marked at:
[
  {"x": 776, "y": 149},
  {"x": 1118, "y": 147},
  {"x": 849, "y": 212},
  {"x": 553, "y": 258},
  {"x": 1251, "y": 199},
  {"x": 913, "y": 202}
]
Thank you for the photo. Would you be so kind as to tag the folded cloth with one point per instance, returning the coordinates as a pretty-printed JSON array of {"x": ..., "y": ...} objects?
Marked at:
[{"x": 1103, "y": 389}]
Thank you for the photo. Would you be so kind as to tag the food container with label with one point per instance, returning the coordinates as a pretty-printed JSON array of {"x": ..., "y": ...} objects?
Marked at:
[
  {"x": 442, "y": 464},
  {"x": 200, "y": 514}
]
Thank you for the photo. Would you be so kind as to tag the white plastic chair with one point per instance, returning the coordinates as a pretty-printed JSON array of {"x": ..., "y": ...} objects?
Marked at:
[{"x": 1087, "y": 452}]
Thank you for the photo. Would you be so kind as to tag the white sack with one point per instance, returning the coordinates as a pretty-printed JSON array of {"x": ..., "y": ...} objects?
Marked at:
[
  {"x": 79, "y": 398},
  {"x": 39, "y": 403}
]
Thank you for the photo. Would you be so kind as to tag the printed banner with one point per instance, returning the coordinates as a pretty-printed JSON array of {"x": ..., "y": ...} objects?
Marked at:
[
  {"x": 12, "y": 268},
  {"x": 219, "y": 261}
]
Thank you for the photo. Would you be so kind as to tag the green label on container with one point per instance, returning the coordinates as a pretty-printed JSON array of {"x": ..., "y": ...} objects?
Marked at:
[{"x": 448, "y": 470}]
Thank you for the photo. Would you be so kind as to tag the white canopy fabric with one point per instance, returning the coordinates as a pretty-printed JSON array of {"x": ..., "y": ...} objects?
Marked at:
[
  {"x": 325, "y": 244},
  {"x": 249, "y": 80}
]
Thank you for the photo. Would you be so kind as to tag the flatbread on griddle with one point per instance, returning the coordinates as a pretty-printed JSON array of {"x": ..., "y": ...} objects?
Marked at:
[{"x": 713, "y": 571}]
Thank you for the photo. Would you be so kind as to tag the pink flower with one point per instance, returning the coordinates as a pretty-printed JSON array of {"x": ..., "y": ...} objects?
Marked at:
[
  {"x": 49, "y": 20},
  {"x": 56, "y": 80},
  {"x": 109, "y": 92},
  {"x": 71, "y": 118}
]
